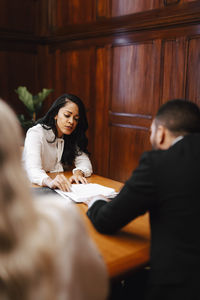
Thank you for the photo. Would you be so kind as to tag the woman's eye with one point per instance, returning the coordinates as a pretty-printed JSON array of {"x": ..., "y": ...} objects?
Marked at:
[{"x": 67, "y": 116}]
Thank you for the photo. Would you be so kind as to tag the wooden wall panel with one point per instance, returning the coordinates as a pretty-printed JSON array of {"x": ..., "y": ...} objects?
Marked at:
[
  {"x": 136, "y": 78},
  {"x": 72, "y": 72},
  {"x": 75, "y": 12},
  {"x": 76, "y": 66},
  {"x": 4, "y": 83},
  {"x": 170, "y": 2},
  {"x": 189, "y": 0},
  {"x": 135, "y": 97},
  {"x": 103, "y": 8},
  {"x": 174, "y": 68},
  {"x": 46, "y": 75},
  {"x": 79, "y": 12},
  {"x": 125, "y": 7},
  {"x": 123, "y": 65},
  {"x": 100, "y": 155},
  {"x": 58, "y": 76},
  {"x": 126, "y": 144},
  {"x": 173, "y": 2},
  {"x": 19, "y": 69},
  {"x": 193, "y": 74},
  {"x": 18, "y": 15}
]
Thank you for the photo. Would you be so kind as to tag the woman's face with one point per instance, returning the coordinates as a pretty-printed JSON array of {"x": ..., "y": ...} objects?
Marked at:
[{"x": 67, "y": 118}]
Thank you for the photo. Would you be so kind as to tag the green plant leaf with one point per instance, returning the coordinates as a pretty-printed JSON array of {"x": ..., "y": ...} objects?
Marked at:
[
  {"x": 40, "y": 97},
  {"x": 26, "y": 97},
  {"x": 32, "y": 103}
]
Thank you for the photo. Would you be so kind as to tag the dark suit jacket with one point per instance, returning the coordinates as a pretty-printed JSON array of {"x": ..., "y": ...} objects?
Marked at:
[{"x": 166, "y": 183}]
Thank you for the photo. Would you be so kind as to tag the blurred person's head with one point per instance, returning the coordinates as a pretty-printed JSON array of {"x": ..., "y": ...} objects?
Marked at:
[
  {"x": 174, "y": 118},
  {"x": 14, "y": 192},
  {"x": 25, "y": 259}
]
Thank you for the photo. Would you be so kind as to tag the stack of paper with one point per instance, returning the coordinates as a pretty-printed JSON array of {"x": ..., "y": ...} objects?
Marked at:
[{"x": 81, "y": 192}]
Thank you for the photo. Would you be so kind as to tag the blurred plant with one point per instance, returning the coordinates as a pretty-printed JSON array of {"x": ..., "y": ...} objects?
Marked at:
[{"x": 33, "y": 104}]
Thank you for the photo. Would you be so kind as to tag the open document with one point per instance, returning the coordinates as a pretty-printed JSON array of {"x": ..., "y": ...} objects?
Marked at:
[{"x": 81, "y": 192}]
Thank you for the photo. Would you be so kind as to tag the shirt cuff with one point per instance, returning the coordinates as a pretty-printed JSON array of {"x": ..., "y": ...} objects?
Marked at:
[
  {"x": 86, "y": 172},
  {"x": 96, "y": 198}
]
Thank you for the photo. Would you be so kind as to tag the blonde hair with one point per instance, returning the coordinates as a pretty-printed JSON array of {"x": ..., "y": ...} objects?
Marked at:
[{"x": 26, "y": 257}]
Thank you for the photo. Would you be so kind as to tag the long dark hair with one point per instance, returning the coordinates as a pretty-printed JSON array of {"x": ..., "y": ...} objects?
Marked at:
[{"x": 76, "y": 142}]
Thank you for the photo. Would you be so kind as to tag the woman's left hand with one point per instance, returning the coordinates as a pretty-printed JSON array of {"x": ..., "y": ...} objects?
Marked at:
[{"x": 78, "y": 177}]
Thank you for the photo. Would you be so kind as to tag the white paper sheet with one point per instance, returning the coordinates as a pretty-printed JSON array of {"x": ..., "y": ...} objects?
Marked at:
[{"x": 81, "y": 192}]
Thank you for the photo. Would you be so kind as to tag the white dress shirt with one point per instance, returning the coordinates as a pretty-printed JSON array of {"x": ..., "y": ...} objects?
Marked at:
[{"x": 40, "y": 156}]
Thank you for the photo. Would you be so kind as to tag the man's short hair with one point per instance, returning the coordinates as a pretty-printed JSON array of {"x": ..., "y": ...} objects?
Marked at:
[{"x": 179, "y": 116}]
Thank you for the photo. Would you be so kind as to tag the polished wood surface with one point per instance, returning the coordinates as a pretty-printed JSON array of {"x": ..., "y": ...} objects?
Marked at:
[{"x": 126, "y": 251}]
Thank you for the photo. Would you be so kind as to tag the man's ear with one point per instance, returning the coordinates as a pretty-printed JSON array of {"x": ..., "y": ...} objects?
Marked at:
[{"x": 161, "y": 134}]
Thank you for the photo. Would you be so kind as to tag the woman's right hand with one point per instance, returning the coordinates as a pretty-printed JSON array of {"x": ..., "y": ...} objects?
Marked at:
[{"x": 59, "y": 182}]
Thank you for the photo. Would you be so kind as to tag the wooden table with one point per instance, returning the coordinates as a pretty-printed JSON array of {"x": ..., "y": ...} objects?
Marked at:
[{"x": 126, "y": 251}]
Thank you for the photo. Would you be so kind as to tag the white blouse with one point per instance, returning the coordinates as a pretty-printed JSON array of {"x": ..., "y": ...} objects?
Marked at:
[{"x": 40, "y": 156}]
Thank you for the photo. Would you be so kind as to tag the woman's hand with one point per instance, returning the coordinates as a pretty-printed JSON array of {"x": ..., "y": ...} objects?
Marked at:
[
  {"x": 60, "y": 182},
  {"x": 78, "y": 177}
]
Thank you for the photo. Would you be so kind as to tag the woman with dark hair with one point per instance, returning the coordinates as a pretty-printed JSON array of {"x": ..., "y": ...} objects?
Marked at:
[
  {"x": 58, "y": 141},
  {"x": 45, "y": 250}
]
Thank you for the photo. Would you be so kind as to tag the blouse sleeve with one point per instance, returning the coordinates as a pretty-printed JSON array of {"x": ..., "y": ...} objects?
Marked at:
[
  {"x": 83, "y": 163},
  {"x": 32, "y": 156}
]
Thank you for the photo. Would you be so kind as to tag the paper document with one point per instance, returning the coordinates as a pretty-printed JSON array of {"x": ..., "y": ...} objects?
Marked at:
[{"x": 81, "y": 192}]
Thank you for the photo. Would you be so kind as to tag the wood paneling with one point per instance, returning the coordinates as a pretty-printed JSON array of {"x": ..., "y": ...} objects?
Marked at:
[
  {"x": 123, "y": 58},
  {"x": 135, "y": 78},
  {"x": 170, "y": 2},
  {"x": 46, "y": 17},
  {"x": 76, "y": 66},
  {"x": 103, "y": 8},
  {"x": 18, "y": 15},
  {"x": 45, "y": 75},
  {"x": 19, "y": 69},
  {"x": 75, "y": 12},
  {"x": 174, "y": 68},
  {"x": 72, "y": 71},
  {"x": 189, "y": 1},
  {"x": 114, "y": 8},
  {"x": 135, "y": 97},
  {"x": 193, "y": 73},
  {"x": 126, "y": 145},
  {"x": 101, "y": 106},
  {"x": 125, "y": 7},
  {"x": 105, "y": 30},
  {"x": 137, "y": 121}
]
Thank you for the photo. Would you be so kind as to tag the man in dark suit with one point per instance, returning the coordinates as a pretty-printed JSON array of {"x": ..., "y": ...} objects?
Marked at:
[{"x": 167, "y": 184}]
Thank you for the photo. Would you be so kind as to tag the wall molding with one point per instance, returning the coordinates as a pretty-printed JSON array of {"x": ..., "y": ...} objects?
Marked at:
[
  {"x": 130, "y": 126},
  {"x": 130, "y": 115},
  {"x": 167, "y": 17},
  {"x": 187, "y": 13}
]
